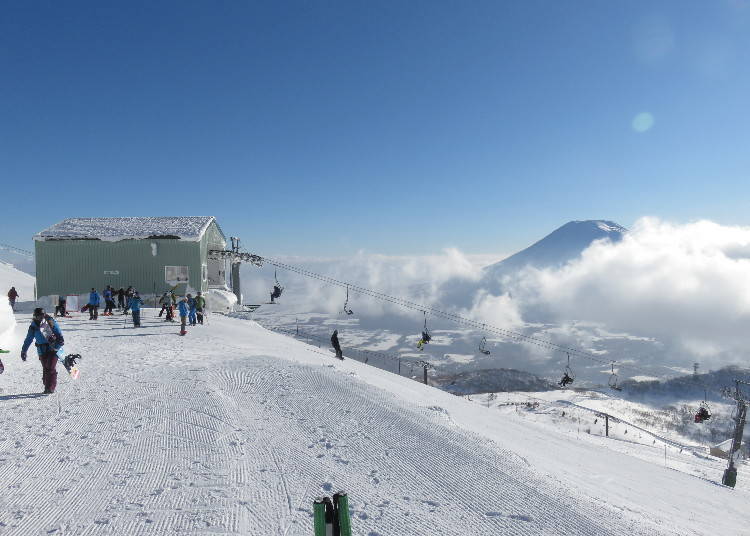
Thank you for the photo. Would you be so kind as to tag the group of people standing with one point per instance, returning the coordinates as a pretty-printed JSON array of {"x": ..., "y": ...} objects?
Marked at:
[
  {"x": 191, "y": 309},
  {"x": 127, "y": 301}
]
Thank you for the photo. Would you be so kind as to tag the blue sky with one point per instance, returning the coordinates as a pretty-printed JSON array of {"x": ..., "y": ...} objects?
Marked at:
[{"x": 322, "y": 128}]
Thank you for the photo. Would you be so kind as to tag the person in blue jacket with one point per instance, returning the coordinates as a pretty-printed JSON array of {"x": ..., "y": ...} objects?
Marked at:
[
  {"x": 192, "y": 309},
  {"x": 94, "y": 301},
  {"x": 183, "y": 307},
  {"x": 48, "y": 337},
  {"x": 134, "y": 304},
  {"x": 109, "y": 302}
]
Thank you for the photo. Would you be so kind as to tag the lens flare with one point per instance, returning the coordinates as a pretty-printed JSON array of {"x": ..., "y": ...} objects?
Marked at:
[{"x": 643, "y": 122}]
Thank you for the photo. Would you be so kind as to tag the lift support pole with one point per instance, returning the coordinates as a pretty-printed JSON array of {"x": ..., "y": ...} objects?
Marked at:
[{"x": 730, "y": 474}]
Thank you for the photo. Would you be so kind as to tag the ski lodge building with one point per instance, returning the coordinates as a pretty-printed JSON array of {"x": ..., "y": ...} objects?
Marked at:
[{"x": 150, "y": 254}]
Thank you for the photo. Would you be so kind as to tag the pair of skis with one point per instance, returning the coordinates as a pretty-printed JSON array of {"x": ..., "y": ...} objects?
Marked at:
[{"x": 331, "y": 516}]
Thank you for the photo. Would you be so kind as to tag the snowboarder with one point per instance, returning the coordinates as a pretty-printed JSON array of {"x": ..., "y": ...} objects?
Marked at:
[
  {"x": 12, "y": 297},
  {"x": 120, "y": 298},
  {"x": 60, "y": 308},
  {"x": 134, "y": 304},
  {"x": 49, "y": 340},
  {"x": 94, "y": 301},
  {"x": 200, "y": 304},
  {"x": 191, "y": 310},
  {"x": 183, "y": 307},
  {"x": 336, "y": 345},
  {"x": 109, "y": 302}
]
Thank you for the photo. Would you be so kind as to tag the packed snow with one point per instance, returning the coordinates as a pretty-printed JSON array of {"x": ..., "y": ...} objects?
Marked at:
[
  {"x": 233, "y": 429},
  {"x": 189, "y": 228}
]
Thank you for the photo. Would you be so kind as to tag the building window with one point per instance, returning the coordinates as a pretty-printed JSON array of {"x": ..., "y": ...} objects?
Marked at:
[{"x": 176, "y": 274}]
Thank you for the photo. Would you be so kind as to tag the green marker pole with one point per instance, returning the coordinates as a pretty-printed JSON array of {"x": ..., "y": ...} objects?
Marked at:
[
  {"x": 341, "y": 501},
  {"x": 319, "y": 516}
]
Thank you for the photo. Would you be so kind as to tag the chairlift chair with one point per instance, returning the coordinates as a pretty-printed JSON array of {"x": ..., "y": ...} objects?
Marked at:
[
  {"x": 613, "y": 380},
  {"x": 347, "y": 310},
  {"x": 426, "y": 337},
  {"x": 483, "y": 346},
  {"x": 277, "y": 288},
  {"x": 704, "y": 411},
  {"x": 568, "y": 376}
]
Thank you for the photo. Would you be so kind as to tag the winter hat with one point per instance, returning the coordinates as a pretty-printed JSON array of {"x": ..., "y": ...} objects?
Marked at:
[{"x": 39, "y": 311}]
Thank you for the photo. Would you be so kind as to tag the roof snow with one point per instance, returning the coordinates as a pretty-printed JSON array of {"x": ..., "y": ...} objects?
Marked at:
[{"x": 190, "y": 228}]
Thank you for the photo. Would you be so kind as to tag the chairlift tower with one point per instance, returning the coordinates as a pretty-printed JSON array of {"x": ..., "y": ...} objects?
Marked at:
[{"x": 730, "y": 474}]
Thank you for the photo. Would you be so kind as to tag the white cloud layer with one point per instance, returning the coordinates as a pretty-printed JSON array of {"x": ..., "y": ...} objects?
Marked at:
[
  {"x": 688, "y": 284},
  {"x": 672, "y": 293}
]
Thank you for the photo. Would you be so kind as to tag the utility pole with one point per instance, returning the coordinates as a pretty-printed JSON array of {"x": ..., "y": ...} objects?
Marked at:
[
  {"x": 695, "y": 370},
  {"x": 426, "y": 366},
  {"x": 236, "y": 286},
  {"x": 730, "y": 474}
]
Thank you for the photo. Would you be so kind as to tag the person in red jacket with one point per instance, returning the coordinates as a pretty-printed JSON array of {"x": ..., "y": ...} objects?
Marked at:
[{"x": 12, "y": 297}]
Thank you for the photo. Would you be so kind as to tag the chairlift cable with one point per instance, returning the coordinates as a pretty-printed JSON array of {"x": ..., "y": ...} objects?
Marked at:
[{"x": 454, "y": 317}]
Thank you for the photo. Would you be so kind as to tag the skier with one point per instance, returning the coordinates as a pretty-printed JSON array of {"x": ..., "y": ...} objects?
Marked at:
[
  {"x": 49, "y": 340},
  {"x": 128, "y": 295},
  {"x": 94, "y": 301},
  {"x": 336, "y": 345},
  {"x": 191, "y": 310},
  {"x": 109, "y": 301},
  {"x": 120, "y": 298},
  {"x": 12, "y": 297},
  {"x": 183, "y": 307},
  {"x": 424, "y": 340},
  {"x": 166, "y": 304},
  {"x": 60, "y": 308},
  {"x": 200, "y": 304},
  {"x": 276, "y": 293},
  {"x": 134, "y": 304}
]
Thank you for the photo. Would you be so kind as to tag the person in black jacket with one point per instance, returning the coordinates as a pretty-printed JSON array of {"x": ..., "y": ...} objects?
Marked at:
[{"x": 336, "y": 345}]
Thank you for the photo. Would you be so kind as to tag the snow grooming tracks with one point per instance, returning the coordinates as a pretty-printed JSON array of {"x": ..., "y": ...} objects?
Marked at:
[{"x": 170, "y": 436}]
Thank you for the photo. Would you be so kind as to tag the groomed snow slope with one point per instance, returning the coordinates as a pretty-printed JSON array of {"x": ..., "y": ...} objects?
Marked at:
[{"x": 235, "y": 430}]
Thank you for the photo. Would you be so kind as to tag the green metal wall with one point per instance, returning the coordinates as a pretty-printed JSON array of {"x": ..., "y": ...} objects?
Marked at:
[{"x": 74, "y": 266}]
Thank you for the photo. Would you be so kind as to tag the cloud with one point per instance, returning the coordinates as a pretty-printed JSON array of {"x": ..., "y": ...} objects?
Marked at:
[
  {"x": 418, "y": 278},
  {"x": 687, "y": 285}
]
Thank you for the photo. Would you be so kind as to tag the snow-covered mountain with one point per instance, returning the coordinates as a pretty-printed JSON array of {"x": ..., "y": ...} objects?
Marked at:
[{"x": 560, "y": 246}]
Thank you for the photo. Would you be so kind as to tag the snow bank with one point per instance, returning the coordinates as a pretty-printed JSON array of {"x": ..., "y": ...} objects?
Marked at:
[
  {"x": 10, "y": 276},
  {"x": 220, "y": 300},
  {"x": 189, "y": 228},
  {"x": 7, "y": 323}
]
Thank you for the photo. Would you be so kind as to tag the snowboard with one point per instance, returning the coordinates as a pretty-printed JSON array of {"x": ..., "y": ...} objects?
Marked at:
[{"x": 69, "y": 362}]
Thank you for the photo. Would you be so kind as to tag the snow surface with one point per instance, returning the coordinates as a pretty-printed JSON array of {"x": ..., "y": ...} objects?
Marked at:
[
  {"x": 10, "y": 276},
  {"x": 190, "y": 228},
  {"x": 235, "y": 430},
  {"x": 7, "y": 323}
]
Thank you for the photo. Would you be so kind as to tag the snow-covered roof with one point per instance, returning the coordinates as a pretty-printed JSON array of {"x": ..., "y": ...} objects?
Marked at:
[{"x": 190, "y": 228}]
